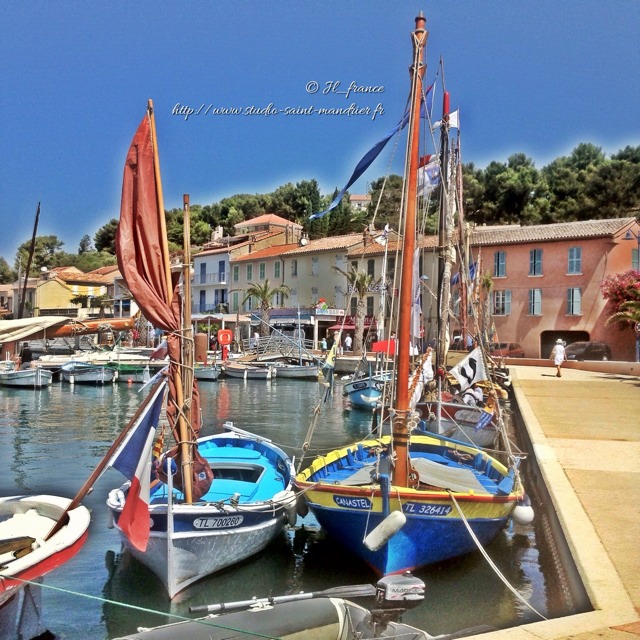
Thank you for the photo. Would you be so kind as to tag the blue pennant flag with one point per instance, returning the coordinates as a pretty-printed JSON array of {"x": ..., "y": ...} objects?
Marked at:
[{"x": 373, "y": 153}]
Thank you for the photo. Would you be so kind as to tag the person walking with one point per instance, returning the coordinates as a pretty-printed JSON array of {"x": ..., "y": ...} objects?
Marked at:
[
  {"x": 347, "y": 342},
  {"x": 323, "y": 346},
  {"x": 558, "y": 355}
]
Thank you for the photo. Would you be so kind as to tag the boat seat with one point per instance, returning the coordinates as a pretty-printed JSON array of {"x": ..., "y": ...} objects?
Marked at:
[
  {"x": 447, "y": 477},
  {"x": 16, "y": 547},
  {"x": 365, "y": 474}
]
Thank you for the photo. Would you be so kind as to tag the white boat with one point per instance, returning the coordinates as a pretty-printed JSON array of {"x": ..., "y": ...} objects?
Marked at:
[
  {"x": 27, "y": 548},
  {"x": 214, "y": 501},
  {"x": 247, "y": 505},
  {"x": 84, "y": 373},
  {"x": 249, "y": 371},
  {"x": 297, "y": 371},
  {"x": 207, "y": 372},
  {"x": 34, "y": 378}
]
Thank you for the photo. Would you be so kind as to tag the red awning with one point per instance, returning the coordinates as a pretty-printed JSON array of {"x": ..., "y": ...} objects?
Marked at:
[{"x": 344, "y": 327}]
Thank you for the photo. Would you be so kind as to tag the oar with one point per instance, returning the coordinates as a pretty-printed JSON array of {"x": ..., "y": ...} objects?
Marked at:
[{"x": 350, "y": 591}]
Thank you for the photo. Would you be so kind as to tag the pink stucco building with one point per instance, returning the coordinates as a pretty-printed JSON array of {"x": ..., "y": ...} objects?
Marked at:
[{"x": 546, "y": 281}]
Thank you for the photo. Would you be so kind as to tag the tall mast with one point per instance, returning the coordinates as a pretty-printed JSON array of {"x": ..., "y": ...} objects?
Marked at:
[
  {"x": 444, "y": 246},
  {"x": 400, "y": 427},
  {"x": 29, "y": 259}
]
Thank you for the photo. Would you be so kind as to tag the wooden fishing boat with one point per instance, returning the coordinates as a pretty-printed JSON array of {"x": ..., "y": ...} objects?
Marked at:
[
  {"x": 209, "y": 372},
  {"x": 366, "y": 391},
  {"x": 34, "y": 378},
  {"x": 405, "y": 500},
  {"x": 214, "y": 501},
  {"x": 248, "y": 371},
  {"x": 27, "y": 548},
  {"x": 248, "y": 503},
  {"x": 83, "y": 373}
]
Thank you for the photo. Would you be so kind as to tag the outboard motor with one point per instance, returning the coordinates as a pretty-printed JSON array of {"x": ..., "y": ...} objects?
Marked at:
[{"x": 396, "y": 594}]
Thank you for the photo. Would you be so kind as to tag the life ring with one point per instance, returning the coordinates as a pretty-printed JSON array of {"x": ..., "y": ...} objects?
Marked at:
[{"x": 225, "y": 336}]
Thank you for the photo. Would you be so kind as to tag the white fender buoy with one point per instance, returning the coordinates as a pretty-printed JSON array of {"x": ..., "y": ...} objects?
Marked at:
[
  {"x": 523, "y": 513},
  {"x": 385, "y": 530}
]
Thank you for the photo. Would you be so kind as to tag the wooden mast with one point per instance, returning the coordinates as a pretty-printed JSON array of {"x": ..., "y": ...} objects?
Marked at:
[
  {"x": 400, "y": 426},
  {"x": 29, "y": 259},
  {"x": 186, "y": 374}
]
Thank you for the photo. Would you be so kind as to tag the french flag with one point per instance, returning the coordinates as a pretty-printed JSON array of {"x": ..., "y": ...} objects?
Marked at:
[{"x": 133, "y": 460}]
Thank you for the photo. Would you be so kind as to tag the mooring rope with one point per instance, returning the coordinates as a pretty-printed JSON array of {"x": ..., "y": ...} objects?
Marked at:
[
  {"x": 489, "y": 560},
  {"x": 204, "y": 621}
]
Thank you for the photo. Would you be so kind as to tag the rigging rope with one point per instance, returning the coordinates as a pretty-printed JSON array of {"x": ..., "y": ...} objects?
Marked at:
[
  {"x": 489, "y": 560},
  {"x": 202, "y": 621}
]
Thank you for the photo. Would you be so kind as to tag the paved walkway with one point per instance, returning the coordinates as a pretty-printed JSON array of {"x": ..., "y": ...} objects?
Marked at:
[{"x": 585, "y": 432}]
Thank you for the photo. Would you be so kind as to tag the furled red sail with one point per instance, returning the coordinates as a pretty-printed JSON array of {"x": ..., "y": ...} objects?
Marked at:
[{"x": 143, "y": 262}]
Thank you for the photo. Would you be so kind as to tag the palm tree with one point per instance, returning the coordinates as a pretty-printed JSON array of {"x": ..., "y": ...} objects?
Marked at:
[
  {"x": 359, "y": 283},
  {"x": 264, "y": 293},
  {"x": 629, "y": 313}
]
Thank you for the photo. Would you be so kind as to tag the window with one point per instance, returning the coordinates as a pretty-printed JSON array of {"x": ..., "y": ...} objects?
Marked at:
[
  {"x": 371, "y": 268},
  {"x": 235, "y": 301},
  {"x": 369, "y": 305},
  {"x": 262, "y": 270},
  {"x": 391, "y": 267},
  {"x": 276, "y": 270},
  {"x": 575, "y": 260},
  {"x": 354, "y": 306},
  {"x": 249, "y": 272},
  {"x": 354, "y": 265},
  {"x": 502, "y": 302},
  {"x": 499, "y": 264},
  {"x": 574, "y": 301},
  {"x": 203, "y": 273},
  {"x": 314, "y": 295},
  {"x": 314, "y": 266},
  {"x": 635, "y": 259},
  {"x": 535, "y": 302},
  {"x": 294, "y": 268},
  {"x": 535, "y": 262},
  {"x": 236, "y": 273}
]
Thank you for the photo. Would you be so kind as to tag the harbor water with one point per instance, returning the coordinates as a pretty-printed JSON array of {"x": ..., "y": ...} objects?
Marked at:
[{"x": 51, "y": 440}]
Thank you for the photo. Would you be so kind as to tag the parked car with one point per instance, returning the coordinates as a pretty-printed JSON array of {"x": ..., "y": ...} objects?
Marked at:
[
  {"x": 506, "y": 350},
  {"x": 588, "y": 351}
]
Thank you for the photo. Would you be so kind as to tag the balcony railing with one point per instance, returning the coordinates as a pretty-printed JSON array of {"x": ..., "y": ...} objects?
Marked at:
[{"x": 210, "y": 278}]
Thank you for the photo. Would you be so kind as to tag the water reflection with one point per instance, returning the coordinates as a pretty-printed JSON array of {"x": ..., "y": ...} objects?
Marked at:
[{"x": 57, "y": 436}]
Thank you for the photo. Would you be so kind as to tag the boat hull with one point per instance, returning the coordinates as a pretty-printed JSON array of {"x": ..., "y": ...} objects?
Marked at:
[
  {"x": 36, "y": 378},
  {"x": 250, "y": 501},
  {"x": 365, "y": 392},
  {"x": 318, "y": 618},
  {"x": 246, "y": 372},
  {"x": 349, "y": 502},
  {"x": 35, "y": 516},
  {"x": 210, "y": 373},
  {"x": 89, "y": 375}
]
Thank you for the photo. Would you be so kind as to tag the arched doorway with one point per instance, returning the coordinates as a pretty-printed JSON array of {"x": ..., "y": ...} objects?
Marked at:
[{"x": 548, "y": 339}]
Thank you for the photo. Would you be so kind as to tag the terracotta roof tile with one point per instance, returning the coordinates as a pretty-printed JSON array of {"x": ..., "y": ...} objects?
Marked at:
[
  {"x": 514, "y": 234},
  {"x": 269, "y": 252},
  {"x": 330, "y": 243}
]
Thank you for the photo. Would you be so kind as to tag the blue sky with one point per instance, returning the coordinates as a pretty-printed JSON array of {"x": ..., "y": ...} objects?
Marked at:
[{"x": 528, "y": 76}]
